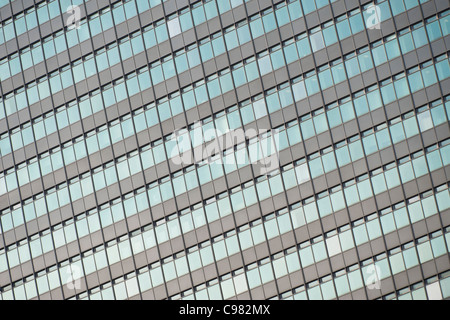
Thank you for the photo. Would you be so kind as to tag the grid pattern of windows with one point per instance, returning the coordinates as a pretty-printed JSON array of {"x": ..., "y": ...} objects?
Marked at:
[{"x": 95, "y": 204}]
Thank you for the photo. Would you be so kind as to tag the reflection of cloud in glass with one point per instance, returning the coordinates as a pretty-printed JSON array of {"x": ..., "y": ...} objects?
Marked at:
[
  {"x": 174, "y": 27},
  {"x": 317, "y": 41}
]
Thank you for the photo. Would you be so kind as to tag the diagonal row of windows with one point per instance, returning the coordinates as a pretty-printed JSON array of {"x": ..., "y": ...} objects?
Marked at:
[
  {"x": 353, "y": 192},
  {"x": 279, "y": 265},
  {"x": 167, "y": 69},
  {"x": 318, "y": 164},
  {"x": 309, "y": 126},
  {"x": 301, "y": 89}
]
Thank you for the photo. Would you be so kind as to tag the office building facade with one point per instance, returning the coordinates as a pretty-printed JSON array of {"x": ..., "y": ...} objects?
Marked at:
[{"x": 224, "y": 149}]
